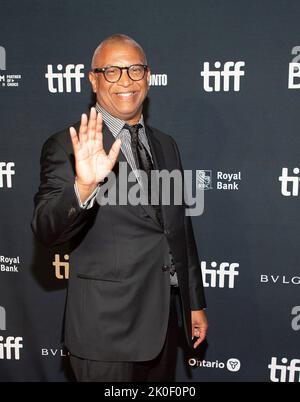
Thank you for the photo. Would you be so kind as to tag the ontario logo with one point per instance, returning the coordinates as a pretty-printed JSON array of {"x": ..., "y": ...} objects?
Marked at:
[{"x": 232, "y": 364}]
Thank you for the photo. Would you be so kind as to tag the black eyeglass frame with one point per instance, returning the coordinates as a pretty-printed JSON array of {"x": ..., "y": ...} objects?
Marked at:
[{"x": 103, "y": 70}]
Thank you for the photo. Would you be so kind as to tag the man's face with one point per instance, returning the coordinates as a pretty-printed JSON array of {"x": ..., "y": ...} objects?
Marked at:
[{"x": 122, "y": 99}]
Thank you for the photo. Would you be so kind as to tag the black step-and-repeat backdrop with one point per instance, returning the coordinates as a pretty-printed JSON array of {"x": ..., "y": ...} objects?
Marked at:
[{"x": 226, "y": 84}]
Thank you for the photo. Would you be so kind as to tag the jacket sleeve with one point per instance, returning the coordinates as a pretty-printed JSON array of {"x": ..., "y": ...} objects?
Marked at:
[
  {"x": 197, "y": 297},
  {"x": 57, "y": 216}
]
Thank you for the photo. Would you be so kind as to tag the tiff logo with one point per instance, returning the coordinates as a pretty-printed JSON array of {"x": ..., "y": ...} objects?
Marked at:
[
  {"x": 6, "y": 171},
  {"x": 296, "y": 320},
  {"x": 2, "y": 319},
  {"x": 2, "y": 58},
  {"x": 284, "y": 371},
  {"x": 10, "y": 347},
  {"x": 293, "y": 181},
  {"x": 213, "y": 277},
  {"x": 62, "y": 268},
  {"x": 56, "y": 80},
  {"x": 212, "y": 79}
]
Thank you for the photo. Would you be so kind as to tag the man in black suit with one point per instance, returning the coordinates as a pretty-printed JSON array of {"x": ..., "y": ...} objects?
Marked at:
[{"x": 129, "y": 263}]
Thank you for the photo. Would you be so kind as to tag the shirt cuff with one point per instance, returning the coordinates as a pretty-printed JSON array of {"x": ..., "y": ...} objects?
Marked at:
[{"x": 90, "y": 201}]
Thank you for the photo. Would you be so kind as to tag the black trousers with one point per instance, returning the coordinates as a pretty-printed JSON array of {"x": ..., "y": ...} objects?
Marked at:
[{"x": 162, "y": 368}]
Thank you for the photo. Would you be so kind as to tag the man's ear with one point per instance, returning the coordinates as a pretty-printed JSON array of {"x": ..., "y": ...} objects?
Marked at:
[{"x": 93, "y": 81}]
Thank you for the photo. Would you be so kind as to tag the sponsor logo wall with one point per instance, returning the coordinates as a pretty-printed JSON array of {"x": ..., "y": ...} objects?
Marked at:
[
  {"x": 222, "y": 78},
  {"x": 229, "y": 94},
  {"x": 68, "y": 78},
  {"x": 8, "y": 78},
  {"x": 6, "y": 173},
  {"x": 10, "y": 346}
]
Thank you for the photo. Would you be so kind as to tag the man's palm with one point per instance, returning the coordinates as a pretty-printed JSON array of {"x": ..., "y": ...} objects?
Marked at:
[{"x": 92, "y": 164}]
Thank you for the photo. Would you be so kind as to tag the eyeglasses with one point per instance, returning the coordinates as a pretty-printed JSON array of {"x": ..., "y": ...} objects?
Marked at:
[{"x": 136, "y": 72}]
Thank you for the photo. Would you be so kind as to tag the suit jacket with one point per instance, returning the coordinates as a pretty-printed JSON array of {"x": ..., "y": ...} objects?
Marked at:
[{"x": 119, "y": 286}]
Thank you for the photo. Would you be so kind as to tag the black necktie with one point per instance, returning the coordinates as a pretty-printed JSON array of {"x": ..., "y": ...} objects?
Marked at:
[{"x": 143, "y": 162}]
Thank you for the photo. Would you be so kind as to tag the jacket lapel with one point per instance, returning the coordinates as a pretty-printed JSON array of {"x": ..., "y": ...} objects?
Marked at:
[{"x": 159, "y": 163}]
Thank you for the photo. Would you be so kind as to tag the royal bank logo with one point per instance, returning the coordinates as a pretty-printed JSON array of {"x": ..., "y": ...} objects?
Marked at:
[
  {"x": 222, "y": 78},
  {"x": 158, "y": 80},
  {"x": 296, "y": 318},
  {"x": 284, "y": 371},
  {"x": 9, "y": 264},
  {"x": 232, "y": 364},
  {"x": 289, "y": 182},
  {"x": 222, "y": 180},
  {"x": 228, "y": 181},
  {"x": 61, "y": 268},
  {"x": 64, "y": 79},
  {"x": 221, "y": 275},
  {"x": 10, "y": 346},
  {"x": 204, "y": 179},
  {"x": 7, "y": 79}
]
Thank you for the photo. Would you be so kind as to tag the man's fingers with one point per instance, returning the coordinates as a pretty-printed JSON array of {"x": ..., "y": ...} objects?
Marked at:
[
  {"x": 74, "y": 139},
  {"x": 83, "y": 128},
  {"x": 114, "y": 151},
  {"x": 197, "y": 343},
  {"x": 91, "y": 129},
  {"x": 98, "y": 132},
  {"x": 199, "y": 333},
  {"x": 195, "y": 334}
]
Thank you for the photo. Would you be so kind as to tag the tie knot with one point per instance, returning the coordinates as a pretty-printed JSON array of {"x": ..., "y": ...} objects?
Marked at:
[{"x": 134, "y": 131}]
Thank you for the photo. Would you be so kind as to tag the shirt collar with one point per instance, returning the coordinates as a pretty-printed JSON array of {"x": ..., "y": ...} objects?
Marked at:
[{"x": 114, "y": 124}]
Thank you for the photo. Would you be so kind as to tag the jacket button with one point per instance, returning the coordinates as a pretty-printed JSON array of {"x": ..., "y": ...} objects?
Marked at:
[
  {"x": 166, "y": 232},
  {"x": 71, "y": 212},
  {"x": 165, "y": 268}
]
